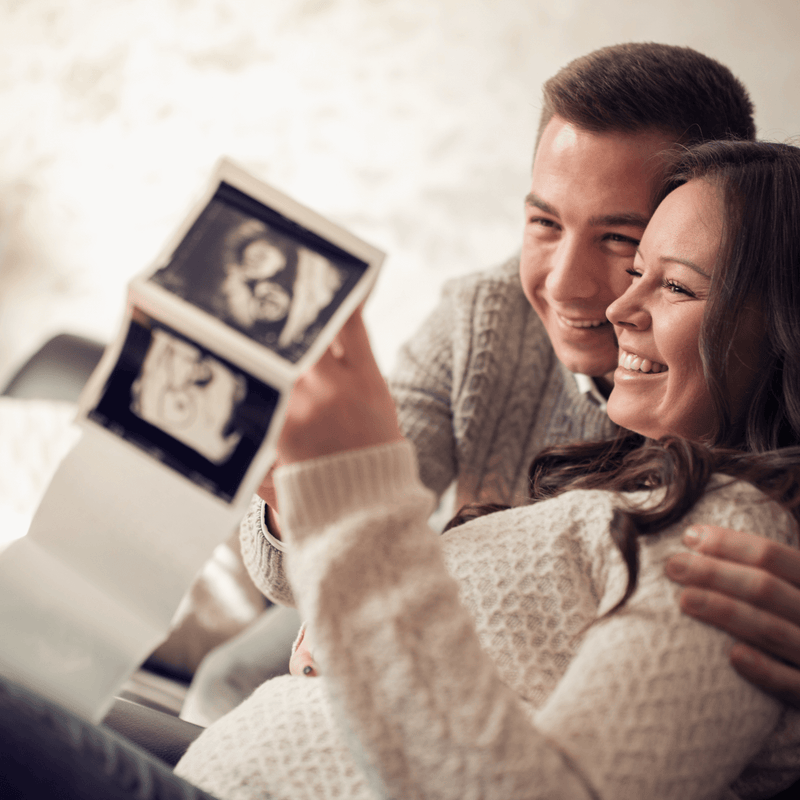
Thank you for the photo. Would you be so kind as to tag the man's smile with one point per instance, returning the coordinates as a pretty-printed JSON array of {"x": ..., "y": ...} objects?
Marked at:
[{"x": 582, "y": 323}]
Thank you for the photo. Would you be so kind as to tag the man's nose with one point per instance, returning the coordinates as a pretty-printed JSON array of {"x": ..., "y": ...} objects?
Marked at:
[{"x": 573, "y": 272}]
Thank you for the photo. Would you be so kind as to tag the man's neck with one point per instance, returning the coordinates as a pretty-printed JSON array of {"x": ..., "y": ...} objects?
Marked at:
[{"x": 605, "y": 384}]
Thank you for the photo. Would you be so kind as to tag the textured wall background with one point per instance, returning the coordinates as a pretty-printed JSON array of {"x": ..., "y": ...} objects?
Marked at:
[{"x": 409, "y": 121}]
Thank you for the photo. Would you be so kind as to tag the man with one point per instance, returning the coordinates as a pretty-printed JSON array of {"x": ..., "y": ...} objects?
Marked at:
[{"x": 518, "y": 358}]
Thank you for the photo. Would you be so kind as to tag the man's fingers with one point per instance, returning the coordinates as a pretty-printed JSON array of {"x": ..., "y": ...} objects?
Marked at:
[
  {"x": 739, "y": 581},
  {"x": 752, "y": 625},
  {"x": 773, "y": 676},
  {"x": 746, "y": 548},
  {"x": 750, "y": 587}
]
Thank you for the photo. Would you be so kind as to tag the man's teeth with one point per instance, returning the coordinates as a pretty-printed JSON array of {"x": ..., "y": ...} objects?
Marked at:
[
  {"x": 584, "y": 323},
  {"x": 637, "y": 363}
]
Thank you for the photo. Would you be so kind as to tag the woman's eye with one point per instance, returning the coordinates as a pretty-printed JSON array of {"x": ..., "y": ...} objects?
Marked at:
[
  {"x": 676, "y": 288},
  {"x": 633, "y": 272}
]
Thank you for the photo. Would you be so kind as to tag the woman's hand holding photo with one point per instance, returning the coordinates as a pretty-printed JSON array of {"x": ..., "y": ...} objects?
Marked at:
[{"x": 342, "y": 403}]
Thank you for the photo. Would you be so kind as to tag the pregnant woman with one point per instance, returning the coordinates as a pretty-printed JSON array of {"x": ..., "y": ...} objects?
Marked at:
[{"x": 540, "y": 651}]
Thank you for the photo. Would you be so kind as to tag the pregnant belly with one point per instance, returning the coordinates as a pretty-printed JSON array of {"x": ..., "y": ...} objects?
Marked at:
[{"x": 281, "y": 742}]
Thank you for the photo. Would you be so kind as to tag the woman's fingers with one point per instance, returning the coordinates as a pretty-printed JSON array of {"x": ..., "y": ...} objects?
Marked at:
[
  {"x": 302, "y": 661},
  {"x": 341, "y": 403},
  {"x": 266, "y": 491},
  {"x": 352, "y": 341}
]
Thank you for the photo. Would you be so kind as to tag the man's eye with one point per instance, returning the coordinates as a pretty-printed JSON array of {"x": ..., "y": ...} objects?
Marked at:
[
  {"x": 620, "y": 245},
  {"x": 618, "y": 237}
]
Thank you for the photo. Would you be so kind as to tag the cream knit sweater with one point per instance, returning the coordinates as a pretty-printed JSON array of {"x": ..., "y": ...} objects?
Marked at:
[{"x": 466, "y": 666}]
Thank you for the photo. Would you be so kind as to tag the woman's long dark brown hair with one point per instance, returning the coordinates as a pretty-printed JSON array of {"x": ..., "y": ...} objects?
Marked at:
[
  {"x": 680, "y": 468},
  {"x": 758, "y": 272}
]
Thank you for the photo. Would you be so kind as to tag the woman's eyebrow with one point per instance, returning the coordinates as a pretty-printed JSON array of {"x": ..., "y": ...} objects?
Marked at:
[{"x": 677, "y": 260}]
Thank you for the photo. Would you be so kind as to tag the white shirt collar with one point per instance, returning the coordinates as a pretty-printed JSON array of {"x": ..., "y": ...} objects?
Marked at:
[{"x": 586, "y": 385}]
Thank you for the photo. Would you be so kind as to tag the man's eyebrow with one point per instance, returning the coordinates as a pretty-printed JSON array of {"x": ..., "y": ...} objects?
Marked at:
[
  {"x": 685, "y": 261},
  {"x": 630, "y": 220},
  {"x": 533, "y": 199}
]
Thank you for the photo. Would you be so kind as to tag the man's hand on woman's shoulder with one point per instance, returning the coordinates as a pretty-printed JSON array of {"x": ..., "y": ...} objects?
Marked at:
[{"x": 750, "y": 587}]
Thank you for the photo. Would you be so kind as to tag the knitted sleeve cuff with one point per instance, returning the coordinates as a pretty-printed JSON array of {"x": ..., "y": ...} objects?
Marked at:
[{"x": 314, "y": 493}]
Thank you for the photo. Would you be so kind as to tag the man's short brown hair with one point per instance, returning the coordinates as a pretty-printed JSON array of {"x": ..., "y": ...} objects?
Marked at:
[{"x": 635, "y": 87}]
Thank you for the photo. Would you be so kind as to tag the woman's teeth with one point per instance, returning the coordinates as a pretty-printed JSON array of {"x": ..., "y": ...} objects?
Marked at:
[{"x": 639, "y": 364}]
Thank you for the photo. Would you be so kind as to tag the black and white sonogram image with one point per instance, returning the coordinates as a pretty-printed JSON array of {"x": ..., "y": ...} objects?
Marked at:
[
  {"x": 186, "y": 406},
  {"x": 260, "y": 272}
]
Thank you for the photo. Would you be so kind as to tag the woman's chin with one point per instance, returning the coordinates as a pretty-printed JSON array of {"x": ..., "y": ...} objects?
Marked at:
[
  {"x": 654, "y": 422},
  {"x": 633, "y": 417}
]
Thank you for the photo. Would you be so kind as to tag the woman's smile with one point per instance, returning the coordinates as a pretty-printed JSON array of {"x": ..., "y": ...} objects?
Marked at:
[{"x": 632, "y": 363}]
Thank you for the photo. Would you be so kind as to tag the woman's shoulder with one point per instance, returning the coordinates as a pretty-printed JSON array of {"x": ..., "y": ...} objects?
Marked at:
[
  {"x": 583, "y": 515},
  {"x": 576, "y": 516},
  {"x": 727, "y": 502},
  {"x": 737, "y": 504}
]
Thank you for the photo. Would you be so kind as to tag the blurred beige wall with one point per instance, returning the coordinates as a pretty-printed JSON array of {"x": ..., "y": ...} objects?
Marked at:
[{"x": 410, "y": 122}]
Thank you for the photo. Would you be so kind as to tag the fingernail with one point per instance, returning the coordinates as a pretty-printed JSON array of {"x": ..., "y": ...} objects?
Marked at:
[
  {"x": 693, "y": 601},
  {"x": 693, "y": 536},
  {"x": 677, "y": 566},
  {"x": 743, "y": 656}
]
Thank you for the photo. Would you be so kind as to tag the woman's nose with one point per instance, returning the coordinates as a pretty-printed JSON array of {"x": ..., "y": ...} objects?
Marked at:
[{"x": 628, "y": 311}]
